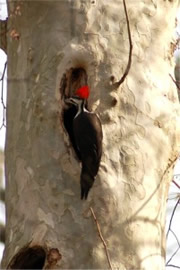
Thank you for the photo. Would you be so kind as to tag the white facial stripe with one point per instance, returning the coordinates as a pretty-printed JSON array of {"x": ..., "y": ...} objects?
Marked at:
[
  {"x": 75, "y": 101},
  {"x": 78, "y": 102}
]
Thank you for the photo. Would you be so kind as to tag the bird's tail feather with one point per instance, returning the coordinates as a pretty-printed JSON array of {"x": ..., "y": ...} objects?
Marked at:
[{"x": 87, "y": 181}]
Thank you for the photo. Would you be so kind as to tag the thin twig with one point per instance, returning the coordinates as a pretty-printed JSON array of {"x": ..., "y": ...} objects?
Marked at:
[
  {"x": 172, "y": 256},
  {"x": 101, "y": 237},
  {"x": 2, "y": 97},
  {"x": 2, "y": 77},
  {"x": 171, "y": 265},
  {"x": 173, "y": 212},
  {"x": 177, "y": 85},
  {"x": 175, "y": 250},
  {"x": 170, "y": 230},
  {"x": 130, "y": 49},
  {"x": 175, "y": 236},
  {"x": 176, "y": 184}
]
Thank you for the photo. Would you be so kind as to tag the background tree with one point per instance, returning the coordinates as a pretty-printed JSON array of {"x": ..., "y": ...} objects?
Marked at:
[{"x": 45, "y": 217}]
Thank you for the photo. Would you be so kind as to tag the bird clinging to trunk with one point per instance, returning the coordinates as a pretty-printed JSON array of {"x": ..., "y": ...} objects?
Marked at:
[{"x": 87, "y": 132}]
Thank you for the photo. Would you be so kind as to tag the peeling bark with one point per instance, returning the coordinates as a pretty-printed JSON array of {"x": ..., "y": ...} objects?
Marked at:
[{"x": 140, "y": 128}]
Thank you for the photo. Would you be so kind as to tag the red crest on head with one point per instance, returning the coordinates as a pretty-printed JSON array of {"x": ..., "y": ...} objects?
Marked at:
[{"x": 83, "y": 92}]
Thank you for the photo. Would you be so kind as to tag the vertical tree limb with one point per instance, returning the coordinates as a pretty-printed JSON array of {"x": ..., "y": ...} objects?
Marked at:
[{"x": 2, "y": 97}]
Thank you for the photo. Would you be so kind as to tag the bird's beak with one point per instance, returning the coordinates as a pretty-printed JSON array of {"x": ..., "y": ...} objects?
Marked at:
[{"x": 70, "y": 101}]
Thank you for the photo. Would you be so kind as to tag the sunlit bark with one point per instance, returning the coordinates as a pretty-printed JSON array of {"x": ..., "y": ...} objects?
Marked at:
[{"x": 140, "y": 129}]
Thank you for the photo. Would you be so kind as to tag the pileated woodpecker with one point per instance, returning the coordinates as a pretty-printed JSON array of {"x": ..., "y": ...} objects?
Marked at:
[{"x": 87, "y": 132}]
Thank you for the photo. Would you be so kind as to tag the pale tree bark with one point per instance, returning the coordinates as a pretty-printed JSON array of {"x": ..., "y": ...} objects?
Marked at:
[{"x": 140, "y": 128}]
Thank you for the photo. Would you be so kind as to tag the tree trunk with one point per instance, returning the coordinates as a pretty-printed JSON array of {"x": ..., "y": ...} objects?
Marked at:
[{"x": 47, "y": 223}]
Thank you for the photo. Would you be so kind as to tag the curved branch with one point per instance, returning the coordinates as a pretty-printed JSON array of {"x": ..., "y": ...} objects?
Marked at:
[
  {"x": 173, "y": 212},
  {"x": 130, "y": 49}
]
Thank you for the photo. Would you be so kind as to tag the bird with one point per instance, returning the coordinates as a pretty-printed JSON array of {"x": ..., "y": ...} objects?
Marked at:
[{"x": 87, "y": 132}]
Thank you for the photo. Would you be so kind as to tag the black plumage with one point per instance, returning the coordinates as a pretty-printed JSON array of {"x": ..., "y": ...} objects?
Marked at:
[
  {"x": 88, "y": 136},
  {"x": 87, "y": 131}
]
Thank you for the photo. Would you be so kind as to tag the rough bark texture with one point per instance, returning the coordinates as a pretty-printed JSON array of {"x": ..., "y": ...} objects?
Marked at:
[{"x": 140, "y": 127}]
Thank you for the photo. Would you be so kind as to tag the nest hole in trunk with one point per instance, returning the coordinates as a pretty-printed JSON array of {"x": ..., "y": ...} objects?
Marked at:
[{"x": 29, "y": 258}]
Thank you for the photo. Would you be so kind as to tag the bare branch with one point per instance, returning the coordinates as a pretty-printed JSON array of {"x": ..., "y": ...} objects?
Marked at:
[
  {"x": 173, "y": 212},
  {"x": 177, "y": 85},
  {"x": 117, "y": 84},
  {"x": 172, "y": 256},
  {"x": 177, "y": 240},
  {"x": 171, "y": 265},
  {"x": 2, "y": 77},
  {"x": 101, "y": 237},
  {"x": 2, "y": 97},
  {"x": 170, "y": 230},
  {"x": 176, "y": 184}
]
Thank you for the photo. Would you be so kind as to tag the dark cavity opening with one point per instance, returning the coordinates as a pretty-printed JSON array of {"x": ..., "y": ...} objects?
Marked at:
[
  {"x": 72, "y": 79},
  {"x": 29, "y": 258}
]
